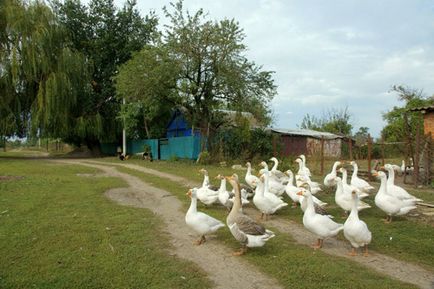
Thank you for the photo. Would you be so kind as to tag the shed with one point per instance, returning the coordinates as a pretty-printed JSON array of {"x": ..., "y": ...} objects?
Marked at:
[
  {"x": 308, "y": 142},
  {"x": 178, "y": 126},
  {"x": 428, "y": 118}
]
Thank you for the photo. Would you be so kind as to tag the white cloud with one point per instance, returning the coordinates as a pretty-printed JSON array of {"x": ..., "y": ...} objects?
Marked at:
[{"x": 332, "y": 54}]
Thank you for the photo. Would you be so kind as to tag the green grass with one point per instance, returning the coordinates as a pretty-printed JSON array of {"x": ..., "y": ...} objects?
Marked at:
[
  {"x": 406, "y": 238},
  {"x": 58, "y": 230},
  {"x": 294, "y": 265}
]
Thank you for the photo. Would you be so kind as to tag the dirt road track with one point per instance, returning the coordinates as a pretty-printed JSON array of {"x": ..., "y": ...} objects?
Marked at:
[{"x": 386, "y": 265}]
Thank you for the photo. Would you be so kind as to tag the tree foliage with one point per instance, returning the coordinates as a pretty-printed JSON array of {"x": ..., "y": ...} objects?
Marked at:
[
  {"x": 336, "y": 121},
  {"x": 107, "y": 37},
  {"x": 402, "y": 123},
  {"x": 199, "y": 65},
  {"x": 42, "y": 78}
]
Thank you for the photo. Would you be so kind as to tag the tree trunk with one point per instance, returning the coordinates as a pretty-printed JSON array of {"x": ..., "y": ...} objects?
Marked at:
[{"x": 148, "y": 135}]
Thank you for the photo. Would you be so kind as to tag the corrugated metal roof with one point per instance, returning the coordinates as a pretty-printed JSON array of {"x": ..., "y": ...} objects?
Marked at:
[
  {"x": 305, "y": 132},
  {"x": 426, "y": 108}
]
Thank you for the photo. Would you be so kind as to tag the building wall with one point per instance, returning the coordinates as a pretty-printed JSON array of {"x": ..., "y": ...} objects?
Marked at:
[
  {"x": 428, "y": 122},
  {"x": 332, "y": 147},
  {"x": 293, "y": 145}
]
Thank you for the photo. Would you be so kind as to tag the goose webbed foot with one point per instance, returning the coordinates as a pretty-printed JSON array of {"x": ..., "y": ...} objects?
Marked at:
[
  {"x": 242, "y": 251},
  {"x": 200, "y": 241},
  {"x": 353, "y": 252}
]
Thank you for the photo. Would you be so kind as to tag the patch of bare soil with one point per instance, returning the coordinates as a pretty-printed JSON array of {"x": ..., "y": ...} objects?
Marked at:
[
  {"x": 10, "y": 178},
  {"x": 403, "y": 271},
  {"x": 215, "y": 259}
]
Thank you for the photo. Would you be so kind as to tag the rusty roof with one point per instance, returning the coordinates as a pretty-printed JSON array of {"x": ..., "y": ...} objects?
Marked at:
[{"x": 306, "y": 132}]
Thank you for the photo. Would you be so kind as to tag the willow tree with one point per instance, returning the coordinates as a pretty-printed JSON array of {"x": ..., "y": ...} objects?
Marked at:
[
  {"x": 107, "y": 36},
  {"x": 42, "y": 78}
]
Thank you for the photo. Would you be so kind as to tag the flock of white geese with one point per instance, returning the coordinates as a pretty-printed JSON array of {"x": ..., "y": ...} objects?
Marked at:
[{"x": 267, "y": 192}]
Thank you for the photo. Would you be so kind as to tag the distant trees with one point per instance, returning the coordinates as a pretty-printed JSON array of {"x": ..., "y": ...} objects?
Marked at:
[
  {"x": 201, "y": 66},
  {"x": 336, "y": 121}
]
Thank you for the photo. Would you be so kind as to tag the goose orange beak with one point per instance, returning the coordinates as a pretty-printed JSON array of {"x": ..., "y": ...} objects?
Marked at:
[
  {"x": 300, "y": 193},
  {"x": 189, "y": 193},
  {"x": 375, "y": 174}
]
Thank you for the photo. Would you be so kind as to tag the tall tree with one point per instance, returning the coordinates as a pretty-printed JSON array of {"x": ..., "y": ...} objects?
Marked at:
[
  {"x": 207, "y": 70},
  {"x": 107, "y": 37},
  {"x": 41, "y": 77}
]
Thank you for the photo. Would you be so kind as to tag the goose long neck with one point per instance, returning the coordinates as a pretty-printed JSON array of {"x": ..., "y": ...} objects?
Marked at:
[
  {"x": 260, "y": 189},
  {"x": 205, "y": 182},
  {"x": 223, "y": 185},
  {"x": 383, "y": 185},
  {"x": 276, "y": 163},
  {"x": 249, "y": 169},
  {"x": 355, "y": 170},
  {"x": 266, "y": 182},
  {"x": 335, "y": 166},
  {"x": 193, "y": 205},
  {"x": 354, "y": 211},
  {"x": 310, "y": 209},
  {"x": 391, "y": 178},
  {"x": 237, "y": 200},
  {"x": 344, "y": 176},
  {"x": 291, "y": 178},
  {"x": 339, "y": 186}
]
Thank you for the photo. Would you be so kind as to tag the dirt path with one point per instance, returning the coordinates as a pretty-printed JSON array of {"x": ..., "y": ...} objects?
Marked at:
[
  {"x": 215, "y": 259},
  {"x": 384, "y": 264}
]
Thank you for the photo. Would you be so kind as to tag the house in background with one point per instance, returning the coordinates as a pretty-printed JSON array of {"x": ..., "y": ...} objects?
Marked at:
[
  {"x": 294, "y": 142},
  {"x": 181, "y": 139},
  {"x": 178, "y": 126},
  {"x": 428, "y": 118}
]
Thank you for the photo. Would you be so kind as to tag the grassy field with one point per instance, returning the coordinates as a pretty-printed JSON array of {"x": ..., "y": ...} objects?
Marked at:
[
  {"x": 58, "y": 230},
  {"x": 294, "y": 265},
  {"x": 406, "y": 238}
]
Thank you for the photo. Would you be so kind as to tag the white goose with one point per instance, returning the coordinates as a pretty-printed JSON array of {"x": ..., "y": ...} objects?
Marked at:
[
  {"x": 266, "y": 202},
  {"x": 350, "y": 188},
  {"x": 274, "y": 186},
  {"x": 344, "y": 199},
  {"x": 206, "y": 183},
  {"x": 291, "y": 190},
  {"x": 305, "y": 168},
  {"x": 329, "y": 180},
  {"x": 303, "y": 177},
  {"x": 359, "y": 183},
  {"x": 223, "y": 195},
  {"x": 395, "y": 190},
  {"x": 245, "y": 230},
  {"x": 389, "y": 204},
  {"x": 322, "y": 226},
  {"x": 198, "y": 221},
  {"x": 250, "y": 179},
  {"x": 355, "y": 230},
  {"x": 276, "y": 174}
]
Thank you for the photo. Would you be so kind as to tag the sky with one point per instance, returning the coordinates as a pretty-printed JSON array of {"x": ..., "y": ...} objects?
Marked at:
[{"x": 332, "y": 54}]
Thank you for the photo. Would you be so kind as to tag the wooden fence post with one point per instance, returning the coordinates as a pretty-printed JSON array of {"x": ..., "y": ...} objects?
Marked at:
[
  {"x": 416, "y": 158},
  {"x": 350, "y": 148},
  {"x": 322, "y": 156},
  {"x": 369, "y": 156},
  {"x": 274, "y": 145}
]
